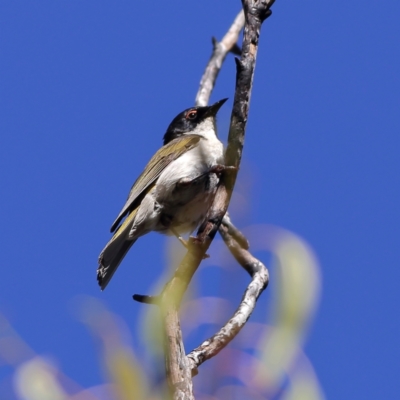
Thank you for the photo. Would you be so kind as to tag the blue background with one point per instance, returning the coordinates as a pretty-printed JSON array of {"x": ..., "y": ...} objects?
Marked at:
[{"x": 87, "y": 91}]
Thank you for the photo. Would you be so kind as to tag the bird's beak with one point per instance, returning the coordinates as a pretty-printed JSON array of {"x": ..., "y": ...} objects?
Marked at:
[{"x": 212, "y": 110}]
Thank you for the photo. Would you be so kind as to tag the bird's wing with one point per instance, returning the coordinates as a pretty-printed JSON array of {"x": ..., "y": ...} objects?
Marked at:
[{"x": 153, "y": 170}]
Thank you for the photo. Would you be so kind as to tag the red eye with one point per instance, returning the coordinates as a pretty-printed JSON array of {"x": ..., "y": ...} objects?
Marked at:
[{"x": 191, "y": 114}]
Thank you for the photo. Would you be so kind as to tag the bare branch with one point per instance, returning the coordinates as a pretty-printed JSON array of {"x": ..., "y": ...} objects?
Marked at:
[
  {"x": 207, "y": 83},
  {"x": 256, "y": 12},
  {"x": 212, "y": 346},
  {"x": 234, "y": 232},
  {"x": 178, "y": 366}
]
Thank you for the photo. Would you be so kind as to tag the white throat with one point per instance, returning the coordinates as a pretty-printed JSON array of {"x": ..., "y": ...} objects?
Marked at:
[{"x": 206, "y": 128}]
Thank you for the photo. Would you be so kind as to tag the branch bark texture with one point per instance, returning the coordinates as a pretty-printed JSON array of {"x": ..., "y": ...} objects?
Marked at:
[
  {"x": 179, "y": 367},
  {"x": 212, "y": 346}
]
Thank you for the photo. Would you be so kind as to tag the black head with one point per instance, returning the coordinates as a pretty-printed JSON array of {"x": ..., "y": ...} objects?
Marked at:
[{"x": 187, "y": 120}]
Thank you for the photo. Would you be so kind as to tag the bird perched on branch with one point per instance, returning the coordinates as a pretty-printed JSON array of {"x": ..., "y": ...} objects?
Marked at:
[{"x": 175, "y": 190}]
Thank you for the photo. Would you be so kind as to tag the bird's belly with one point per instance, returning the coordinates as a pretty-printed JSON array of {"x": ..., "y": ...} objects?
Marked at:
[
  {"x": 187, "y": 217},
  {"x": 186, "y": 189},
  {"x": 187, "y": 206}
]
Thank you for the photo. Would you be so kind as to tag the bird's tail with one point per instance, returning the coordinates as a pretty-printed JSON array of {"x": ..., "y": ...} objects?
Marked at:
[{"x": 114, "y": 251}]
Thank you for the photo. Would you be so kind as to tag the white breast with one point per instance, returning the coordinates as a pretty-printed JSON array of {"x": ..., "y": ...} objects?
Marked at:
[
  {"x": 187, "y": 206},
  {"x": 196, "y": 161}
]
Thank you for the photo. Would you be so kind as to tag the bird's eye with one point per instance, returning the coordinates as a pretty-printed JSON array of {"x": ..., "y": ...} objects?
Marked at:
[{"x": 191, "y": 114}]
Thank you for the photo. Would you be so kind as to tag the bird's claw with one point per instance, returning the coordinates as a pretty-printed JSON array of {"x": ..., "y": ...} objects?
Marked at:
[
  {"x": 219, "y": 168},
  {"x": 193, "y": 241}
]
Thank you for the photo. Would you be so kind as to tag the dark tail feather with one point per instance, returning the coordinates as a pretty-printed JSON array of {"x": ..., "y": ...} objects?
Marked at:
[
  {"x": 108, "y": 263},
  {"x": 114, "y": 252}
]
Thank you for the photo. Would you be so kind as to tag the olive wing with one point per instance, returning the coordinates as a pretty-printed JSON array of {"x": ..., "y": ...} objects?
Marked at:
[{"x": 168, "y": 153}]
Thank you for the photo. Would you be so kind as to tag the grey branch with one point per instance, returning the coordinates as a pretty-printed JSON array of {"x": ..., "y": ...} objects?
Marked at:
[
  {"x": 207, "y": 83},
  {"x": 234, "y": 232},
  {"x": 259, "y": 282},
  {"x": 178, "y": 366}
]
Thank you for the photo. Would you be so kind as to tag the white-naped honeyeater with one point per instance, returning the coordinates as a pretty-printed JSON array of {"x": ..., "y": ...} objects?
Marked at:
[{"x": 175, "y": 190}]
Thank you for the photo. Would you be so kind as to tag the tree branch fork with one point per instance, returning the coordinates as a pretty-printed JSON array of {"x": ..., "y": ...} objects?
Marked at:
[{"x": 181, "y": 367}]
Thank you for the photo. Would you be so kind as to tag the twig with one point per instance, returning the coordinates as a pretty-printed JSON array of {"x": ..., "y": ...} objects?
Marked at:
[
  {"x": 178, "y": 366},
  {"x": 207, "y": 83},
  {"x": 212, "y": 346},
  {"x": 234, "y": 232},
  {"x": 256, "y": 13}
]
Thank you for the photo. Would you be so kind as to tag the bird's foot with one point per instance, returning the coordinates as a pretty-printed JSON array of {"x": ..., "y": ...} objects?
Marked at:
[
  {"x": 193, "y": 241},
  {"x": 188, "y": 243},
  {"x": 219, "y": 169}
]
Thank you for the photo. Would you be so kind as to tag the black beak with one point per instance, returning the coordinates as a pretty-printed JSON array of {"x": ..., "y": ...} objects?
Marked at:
[{"x": 212, "y": 110}]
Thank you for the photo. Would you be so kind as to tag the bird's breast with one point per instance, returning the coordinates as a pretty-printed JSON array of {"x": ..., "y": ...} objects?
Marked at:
[
  {"x": 193, "y": 163},
  {"x": 186, "y": 189}
]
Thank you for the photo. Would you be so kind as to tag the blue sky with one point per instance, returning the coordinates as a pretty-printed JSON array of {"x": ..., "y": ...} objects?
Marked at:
[{"x": 87, "y": 90}]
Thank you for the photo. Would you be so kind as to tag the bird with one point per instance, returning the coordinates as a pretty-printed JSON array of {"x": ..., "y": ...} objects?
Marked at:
[{"x": 175, "y": 190}]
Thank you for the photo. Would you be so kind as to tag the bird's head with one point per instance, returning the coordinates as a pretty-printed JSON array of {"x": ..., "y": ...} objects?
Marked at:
[{"x": 194, "y": 120}]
